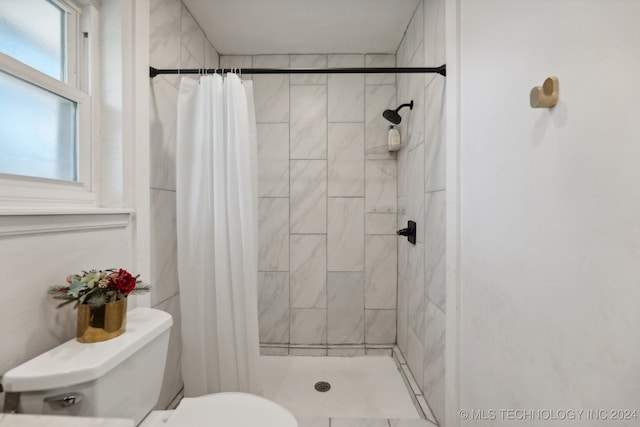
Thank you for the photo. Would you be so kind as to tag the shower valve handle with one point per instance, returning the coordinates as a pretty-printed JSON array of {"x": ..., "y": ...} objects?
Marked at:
[{"x": 410, "y": 232}]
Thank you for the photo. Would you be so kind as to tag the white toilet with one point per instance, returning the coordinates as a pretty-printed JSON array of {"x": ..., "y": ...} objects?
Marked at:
[{"x": 122, "y": 377}]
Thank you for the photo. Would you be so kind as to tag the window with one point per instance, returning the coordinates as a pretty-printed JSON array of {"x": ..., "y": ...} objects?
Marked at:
[
  {"x": 34, "y": 32},
  {"x": 44, "y": 116}
]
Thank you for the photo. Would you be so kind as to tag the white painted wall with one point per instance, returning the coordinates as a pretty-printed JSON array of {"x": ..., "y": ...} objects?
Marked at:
[
  {"x": 550, "y": 206},
  {"x": 32, "y": 262}
]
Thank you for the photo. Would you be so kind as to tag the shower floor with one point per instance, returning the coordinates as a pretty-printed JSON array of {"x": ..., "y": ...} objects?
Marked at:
[{"x": 361, "y": 387}]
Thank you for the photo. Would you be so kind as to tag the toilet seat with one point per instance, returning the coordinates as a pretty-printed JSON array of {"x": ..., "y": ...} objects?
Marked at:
[{"x": 230, "y": 410}]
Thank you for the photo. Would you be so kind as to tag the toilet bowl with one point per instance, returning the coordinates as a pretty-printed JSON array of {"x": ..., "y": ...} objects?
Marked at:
[{"x": 224, "y": 409}]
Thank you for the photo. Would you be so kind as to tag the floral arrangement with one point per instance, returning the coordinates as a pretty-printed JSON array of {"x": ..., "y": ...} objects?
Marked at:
[{"x": 98, "y": 287}]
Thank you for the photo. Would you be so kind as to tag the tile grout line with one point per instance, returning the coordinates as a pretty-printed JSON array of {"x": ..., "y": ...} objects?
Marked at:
[
  {"x": 289, "y": 231},
  {"x": 326, "y": 273}
]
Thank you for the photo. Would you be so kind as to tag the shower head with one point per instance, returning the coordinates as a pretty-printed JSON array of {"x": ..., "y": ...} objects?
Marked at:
[{"x": 393, "y": 116}]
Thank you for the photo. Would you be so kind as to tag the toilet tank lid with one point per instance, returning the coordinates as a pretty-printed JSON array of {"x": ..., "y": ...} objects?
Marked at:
[{"x": 74, "y": 363}]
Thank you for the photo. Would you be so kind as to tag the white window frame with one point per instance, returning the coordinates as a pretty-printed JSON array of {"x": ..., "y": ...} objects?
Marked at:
[{"x": 18, "y": 191}]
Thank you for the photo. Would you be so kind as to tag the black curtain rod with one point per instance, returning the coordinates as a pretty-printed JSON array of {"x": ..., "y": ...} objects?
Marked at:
[{"x": 442, "y": 70}]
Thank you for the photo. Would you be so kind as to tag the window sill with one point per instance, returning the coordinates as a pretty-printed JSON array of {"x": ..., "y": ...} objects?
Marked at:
[{"x": 18, "y": 222}]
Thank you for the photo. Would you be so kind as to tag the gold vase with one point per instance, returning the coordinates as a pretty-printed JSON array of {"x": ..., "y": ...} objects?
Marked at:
[{"x": 97, "y": 324}]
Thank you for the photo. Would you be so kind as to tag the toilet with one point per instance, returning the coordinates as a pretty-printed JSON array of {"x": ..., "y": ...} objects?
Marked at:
[{"x": 122, "y": 378}]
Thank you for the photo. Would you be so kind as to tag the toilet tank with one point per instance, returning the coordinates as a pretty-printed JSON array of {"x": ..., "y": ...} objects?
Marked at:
[{"x": 119, "y": 378}]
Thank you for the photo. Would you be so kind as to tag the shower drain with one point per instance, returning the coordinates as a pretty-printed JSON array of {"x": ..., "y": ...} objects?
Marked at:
[{"x": 322, "y": 386}]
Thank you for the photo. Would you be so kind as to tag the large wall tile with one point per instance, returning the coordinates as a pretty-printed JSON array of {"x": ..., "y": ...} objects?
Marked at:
[
  {"x": 380, "y": 61},
  {"x": 412, "y": 125},
  {"x": 271, "y": 92},
  {"x": 163, "y": 127},
  {"x": 172, "y": 380},
  {"x": 435, "y": 160},
  {"x": 308, "y": 122},
  {"x": 273, "y": 234},
  {"x": 211, "y": 57},
  {"x": 415, "y": 189},
  {"x": 308, "y": 326},
  {"x": 377, "y": 99},
  {"x": 434, "y": 29},
  {"x": 164, "y": 246},
  {"x": 193, "y": 41},
  {"x": 346, "y": 91},
  {"x": 345, "y": 234},
  {"x": 273, "y": 307},
  {"x": 346, "y": 160},
  {"x": 345, "y": 308},
  {"x": 402, "y": 167},
  {"x": 381, "y": 223},
  {"x": 236, "y": 61},
  {"x": 273, "y": 159},
  {"x": 415, "y": 276},
  {"x": 380, "y": 187},
  {"x": 435, "y": 245},
  {"x": 308, "y": 196},
  {"x": 403, "y": 312},
  {"x": 381, "y": 258},
  {"x": 415, "y": 355},
  {"x": 164, "y": 40},
  {"x": 380, "y": 326},
  {"x": 403, "y": 244},
  {"x": 414, "y": 37},
  {"x": 308, "y": 61},
  {"x": 433, "y": 382},
  {"x": 308, "y": 271}
]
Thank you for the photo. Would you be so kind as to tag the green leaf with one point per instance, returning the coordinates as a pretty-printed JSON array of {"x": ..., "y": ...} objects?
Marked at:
[
  {"x": 97, "y": 300},
  {"x": 75, "y": 287}
]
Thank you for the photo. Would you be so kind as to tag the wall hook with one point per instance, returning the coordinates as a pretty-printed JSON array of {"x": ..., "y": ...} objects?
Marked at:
[{"x": 545, "y": 96}]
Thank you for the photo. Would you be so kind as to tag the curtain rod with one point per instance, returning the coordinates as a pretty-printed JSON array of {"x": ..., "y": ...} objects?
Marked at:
[{"x": 442, "y": 70}]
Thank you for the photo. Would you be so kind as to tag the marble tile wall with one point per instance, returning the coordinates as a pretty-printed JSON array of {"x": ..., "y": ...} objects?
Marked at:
[
  {"x": 421, "y": 197},
  {"x": 176, "y": 41},
  {"x": 328, "y": 252}
]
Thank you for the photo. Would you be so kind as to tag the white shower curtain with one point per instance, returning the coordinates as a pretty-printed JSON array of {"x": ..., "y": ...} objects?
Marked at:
[{"x": 217, "y": 235}]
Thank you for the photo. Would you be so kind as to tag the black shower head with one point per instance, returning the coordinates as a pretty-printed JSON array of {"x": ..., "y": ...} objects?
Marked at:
[{"x": 393, "y": 116}]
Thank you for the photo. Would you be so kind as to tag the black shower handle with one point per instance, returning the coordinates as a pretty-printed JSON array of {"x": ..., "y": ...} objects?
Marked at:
[{"x": 410, "y": 232}]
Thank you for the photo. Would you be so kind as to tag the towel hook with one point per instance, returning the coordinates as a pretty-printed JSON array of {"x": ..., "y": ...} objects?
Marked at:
[{"x": 545, "y": 96}]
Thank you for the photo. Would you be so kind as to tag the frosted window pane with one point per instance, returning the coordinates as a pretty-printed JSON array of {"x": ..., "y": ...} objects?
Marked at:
[
  {"x": 33, "y": 32},
  {"x": 37, "y": 131}
]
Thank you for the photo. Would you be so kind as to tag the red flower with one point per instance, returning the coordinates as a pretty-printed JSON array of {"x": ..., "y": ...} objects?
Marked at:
[{"x": 123, "y": 281}]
